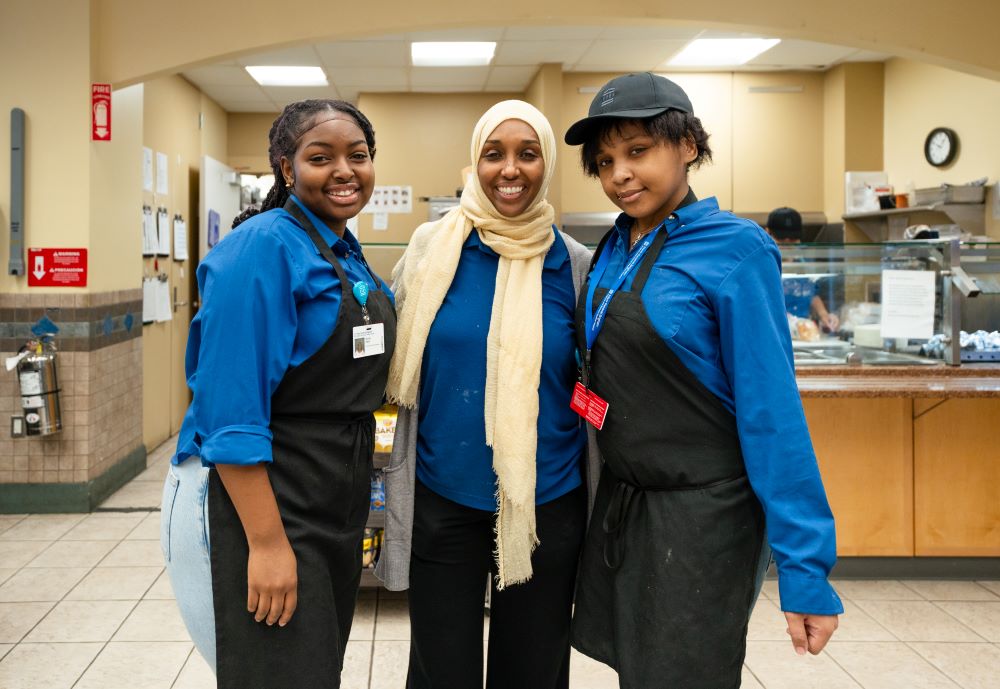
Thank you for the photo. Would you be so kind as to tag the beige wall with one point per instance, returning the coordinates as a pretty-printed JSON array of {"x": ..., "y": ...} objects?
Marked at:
[
  {"x": 545, "y": 92},
  {"x": 116, "y": 197},
  {"x": 834, "y": 147},
  {"x": 920, "y": 97},
  {"x": 183, "y": 123},
  {"x": 246, "y": 143},
  {"x": 960, "y": 34},
  {"x": 46, "y": 72}
]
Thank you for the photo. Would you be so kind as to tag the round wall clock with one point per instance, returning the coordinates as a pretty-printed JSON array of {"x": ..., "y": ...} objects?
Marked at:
[{"x": 941, "y": 146}]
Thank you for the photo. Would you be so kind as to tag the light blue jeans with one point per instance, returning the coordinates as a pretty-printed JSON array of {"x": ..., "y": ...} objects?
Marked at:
[{"x": 184, "y": 538}]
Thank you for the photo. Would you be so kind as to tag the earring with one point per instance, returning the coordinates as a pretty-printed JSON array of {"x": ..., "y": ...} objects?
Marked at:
[{"x": 288, "y": 185}]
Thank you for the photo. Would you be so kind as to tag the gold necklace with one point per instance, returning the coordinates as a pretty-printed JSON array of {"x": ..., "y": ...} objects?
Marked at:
[{"x": 638, "y": 237}]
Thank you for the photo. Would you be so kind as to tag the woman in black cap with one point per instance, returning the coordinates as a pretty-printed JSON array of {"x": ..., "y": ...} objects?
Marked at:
[{"x": 688, "y": 381}]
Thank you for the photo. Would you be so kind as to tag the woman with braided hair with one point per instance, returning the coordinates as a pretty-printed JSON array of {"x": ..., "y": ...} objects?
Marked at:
[{"x": 265, "y": 503}]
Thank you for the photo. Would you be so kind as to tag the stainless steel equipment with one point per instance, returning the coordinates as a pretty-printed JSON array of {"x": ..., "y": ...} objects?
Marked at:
[{"x": 39, "y": 383}]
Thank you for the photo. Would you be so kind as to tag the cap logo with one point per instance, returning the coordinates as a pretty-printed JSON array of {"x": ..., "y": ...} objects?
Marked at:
[{"x": 608, "y": 97}]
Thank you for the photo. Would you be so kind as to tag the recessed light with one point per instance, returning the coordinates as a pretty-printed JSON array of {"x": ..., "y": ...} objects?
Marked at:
[
  {"x": 280, "y": 75},
  {"x": 452, "y": 53},
  {"x": 721, "y": 52}
]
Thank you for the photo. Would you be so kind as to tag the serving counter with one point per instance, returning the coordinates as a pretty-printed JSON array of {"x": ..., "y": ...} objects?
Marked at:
[{"x": 910, "y": 457}]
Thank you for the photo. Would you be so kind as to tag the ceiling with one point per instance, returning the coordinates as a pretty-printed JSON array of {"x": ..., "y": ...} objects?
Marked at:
[{"x": 383, "y": 63}]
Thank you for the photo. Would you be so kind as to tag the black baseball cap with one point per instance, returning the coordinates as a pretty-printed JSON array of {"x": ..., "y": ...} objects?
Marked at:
[
  {"x": 631, "y": 97},
  {"x": 785, "y": 223}
]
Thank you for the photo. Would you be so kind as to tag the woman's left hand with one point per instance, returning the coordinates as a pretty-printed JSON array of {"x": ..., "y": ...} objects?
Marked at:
[{"x": 810, "y": 632}]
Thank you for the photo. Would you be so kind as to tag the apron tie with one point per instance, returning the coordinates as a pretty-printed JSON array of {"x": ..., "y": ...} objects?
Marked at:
[{"x": 614, "y": 522}]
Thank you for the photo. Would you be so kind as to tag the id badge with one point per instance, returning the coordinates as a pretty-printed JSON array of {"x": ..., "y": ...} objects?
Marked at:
[
  {"x": 369, "y": 340},
  {"x": 589, "y": 405}
]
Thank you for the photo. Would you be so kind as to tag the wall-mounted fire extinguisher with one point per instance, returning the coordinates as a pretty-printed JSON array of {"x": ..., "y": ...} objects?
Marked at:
[{"x": 39, "y": 384}]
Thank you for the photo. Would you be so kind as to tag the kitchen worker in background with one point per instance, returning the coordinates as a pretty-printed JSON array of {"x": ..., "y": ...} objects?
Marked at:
[
  {"x": 801, "y": 300},
  {"x": 265, "y": 505},
  {"x": 687, "y": 373},
  {"x": 486, "y": 481}
]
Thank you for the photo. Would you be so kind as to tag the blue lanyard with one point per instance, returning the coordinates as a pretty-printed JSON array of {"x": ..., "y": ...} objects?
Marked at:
[{"x": 594, "y": 321}]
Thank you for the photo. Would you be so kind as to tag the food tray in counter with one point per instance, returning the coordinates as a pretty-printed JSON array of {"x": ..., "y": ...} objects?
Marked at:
[{"x": 974, "y": 355}]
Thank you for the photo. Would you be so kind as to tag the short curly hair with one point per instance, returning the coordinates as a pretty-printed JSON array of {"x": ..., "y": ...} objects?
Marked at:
[{"x": 670, "y": 126}]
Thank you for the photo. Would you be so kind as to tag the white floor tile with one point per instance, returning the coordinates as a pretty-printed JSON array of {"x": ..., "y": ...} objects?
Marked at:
[
  {"x": 72, "y": 554},
  {"x": 363, "y": 627},
  {"x": 857, "y": 625},
  {"x": 885, "y": 665},
  {"x": 155, "y": 471},
  {"x": 115, "y": 583},
  {"x": 16, "y": 554},
  {"x": 144, "y": 495},
  {"x": 357, "y": 661},
  {"x": 390, "y": 660},
  {"x": 104, "y": 526},
  {"x": 392, "y": 623},
  {"x": 196, "y": 674},
  {"x": 587, "y": 673},
  {"x": 767, "y": 622},
  {"x": 73, "y": 621},
  {"x": 148, "y": 529},
  {"x": 5, "y": 649},
  {"x": 9, "y": 520},
  {"x": 952, "y": 590},
  {"x": 41, "y": 584},
  {"x": 136, "y": 665},
  {"x": 749, "y": 681},
  {"x": 918, "y": 621},
  {"x": 993, "y": 586},
  {"x": 161, "y": 589},
  {"x": 41, "y": 527},
  {"x": 982, "y": 618},
  {"x": 45, "y": 666},
  {"x": 972, "y": 666},
  {"x": 770, "y": 590},
  {"x": 154, "y": 620},
  {"x": 135, "y": 554},
  {"x": 777, "y": 666},
  {"x": 6, "y": 573},
  {"x": 874, "y": 589},
  {"x": 17, "y": 619}
]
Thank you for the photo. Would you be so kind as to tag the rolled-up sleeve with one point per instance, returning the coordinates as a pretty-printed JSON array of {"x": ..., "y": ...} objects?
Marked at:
[
  {"x": 240, "y": 345},
  {"x": 780, "y": 462}
]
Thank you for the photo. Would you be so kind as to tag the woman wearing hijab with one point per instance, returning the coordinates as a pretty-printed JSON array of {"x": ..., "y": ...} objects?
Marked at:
[{"x": 487, "y": 472}]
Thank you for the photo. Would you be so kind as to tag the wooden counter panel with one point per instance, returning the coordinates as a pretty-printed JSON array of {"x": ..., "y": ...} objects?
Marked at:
[
  {"x": 957, "y": 478},
  {"x": 865, "y": 453}
]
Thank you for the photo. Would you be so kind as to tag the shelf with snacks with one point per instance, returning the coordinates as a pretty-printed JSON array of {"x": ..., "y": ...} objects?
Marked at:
[{"x": 385, "y": 427}]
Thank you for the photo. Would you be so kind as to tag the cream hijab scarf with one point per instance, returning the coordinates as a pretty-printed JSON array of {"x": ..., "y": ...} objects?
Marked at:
[{"x": 514, "y": 344}]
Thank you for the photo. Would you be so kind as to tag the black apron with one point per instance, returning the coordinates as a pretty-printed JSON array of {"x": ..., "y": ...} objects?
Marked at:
[
  {"x": 667, "y": 575},
  {"x": 321, "y": 418}
]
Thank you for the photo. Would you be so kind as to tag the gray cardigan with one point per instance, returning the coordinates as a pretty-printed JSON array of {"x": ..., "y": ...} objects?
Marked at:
[{"x": 393, "y": 566}]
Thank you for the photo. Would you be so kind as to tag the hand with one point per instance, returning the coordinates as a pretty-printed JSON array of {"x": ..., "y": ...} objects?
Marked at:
[
  {"x": 810, "y": 632},
  {"x": 272, "y": 583},
  {"x": 829, "y": 322}
]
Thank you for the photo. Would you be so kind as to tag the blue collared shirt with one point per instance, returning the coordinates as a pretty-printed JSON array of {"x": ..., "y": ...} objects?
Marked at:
[
  {"x": 452, "y": 457},
  {"x": 715, "y": 297},
  {"x": 269, "y": 302}
]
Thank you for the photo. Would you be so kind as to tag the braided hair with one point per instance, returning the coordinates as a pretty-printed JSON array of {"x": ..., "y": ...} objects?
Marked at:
[{"x": 294, "y": 121}]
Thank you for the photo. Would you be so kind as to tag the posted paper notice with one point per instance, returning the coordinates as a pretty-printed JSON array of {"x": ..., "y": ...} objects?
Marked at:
[{"x": 908, "y": 304}]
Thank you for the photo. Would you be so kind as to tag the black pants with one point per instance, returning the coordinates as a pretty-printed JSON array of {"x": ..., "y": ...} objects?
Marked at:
[{"x": 529, "y": 623}]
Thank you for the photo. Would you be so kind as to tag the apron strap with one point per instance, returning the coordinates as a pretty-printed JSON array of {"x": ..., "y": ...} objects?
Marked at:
[
  {"x": 647, "y": 263},
  {"x": 324, "y": 249}
]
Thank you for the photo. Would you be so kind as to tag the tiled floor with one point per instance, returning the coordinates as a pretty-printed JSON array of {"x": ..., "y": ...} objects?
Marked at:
[{"x": 85, "y": 603}]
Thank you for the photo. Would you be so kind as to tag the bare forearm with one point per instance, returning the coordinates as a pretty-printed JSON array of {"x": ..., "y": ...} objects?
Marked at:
[{"x": 250, "y": 490}]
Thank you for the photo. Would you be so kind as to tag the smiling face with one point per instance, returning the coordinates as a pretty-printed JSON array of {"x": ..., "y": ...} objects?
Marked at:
[
  {"x": 511, "y": 167},
  {"x": 644, "y": 176},
  {"x": 331, "y": 171}
]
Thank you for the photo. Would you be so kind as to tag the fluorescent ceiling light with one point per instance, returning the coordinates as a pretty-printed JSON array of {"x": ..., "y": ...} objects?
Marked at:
[
  {"x": 721, "y": 52},
  {"x": 267, "y": 75},
  {"x": 452, "y": 53}
]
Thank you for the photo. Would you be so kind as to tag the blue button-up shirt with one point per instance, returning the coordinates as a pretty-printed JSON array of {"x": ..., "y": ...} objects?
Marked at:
[
  {"x": 715, "y": 297},
  {"x": 269, "y": 302},
  {"x": 452, "y": 457}
]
